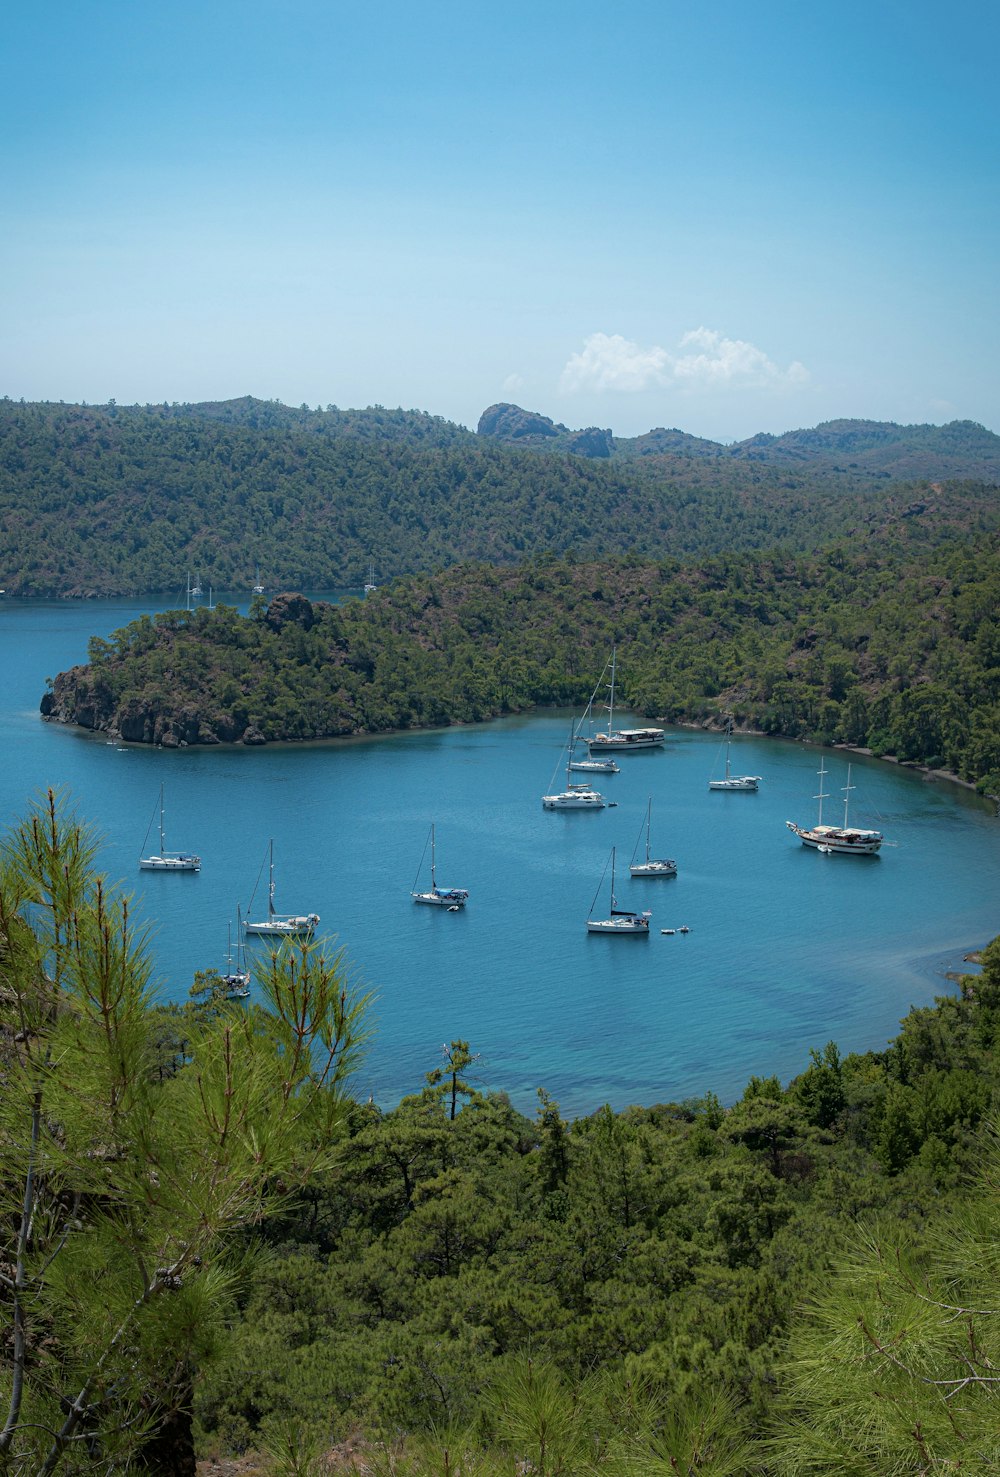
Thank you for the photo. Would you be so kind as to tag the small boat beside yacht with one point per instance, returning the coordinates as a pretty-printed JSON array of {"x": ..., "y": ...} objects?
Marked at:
[
  {"x": 620, "y": 921},
  {"x": 734, "y": 782},
  {"x": 278, "y": 925},
  {"x": 164, "y": 860},
  {"x": 845, "y": 840},
  {"x": 651, "y": 866},
  {"x": 451, "y": 898},
  {"x": 622, "y": 740}
]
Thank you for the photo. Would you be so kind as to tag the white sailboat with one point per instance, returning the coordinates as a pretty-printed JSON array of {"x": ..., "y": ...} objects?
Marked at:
[
  {"x": 652, "y": 866},
  {"x": 164, "y": 860},
  {"x": 622, "y": 739},
  {"x": 577, "y": 795},
  {"x": 279, "y": 925},
  {"x": 370, "y": 585},
  {"x": 451, "y": 898},
  {"x": 236, "y": 980},
  {"x": 734, "y": 781},
  {"x": 620, "y": 920},
  {"x": 590, "y": 765},
  {"x": 845, "y": 840},
  {"x": 258, "y": 588}
]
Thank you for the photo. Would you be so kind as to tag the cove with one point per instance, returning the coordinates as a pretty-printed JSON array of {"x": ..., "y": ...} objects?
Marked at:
[{"x": 787, "y": 949}]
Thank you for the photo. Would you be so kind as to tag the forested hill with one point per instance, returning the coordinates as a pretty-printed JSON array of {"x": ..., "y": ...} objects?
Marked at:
[
  {"x": 898, "y": 652},
  {"x": 129, "y": 500}
]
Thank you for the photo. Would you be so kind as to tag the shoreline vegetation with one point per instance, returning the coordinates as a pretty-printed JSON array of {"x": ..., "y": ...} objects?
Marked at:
[{"x": 895, "y": 656}]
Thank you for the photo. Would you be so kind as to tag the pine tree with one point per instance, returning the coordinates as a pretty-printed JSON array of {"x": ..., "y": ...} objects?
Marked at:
[{"x": 124, "y": 1190}]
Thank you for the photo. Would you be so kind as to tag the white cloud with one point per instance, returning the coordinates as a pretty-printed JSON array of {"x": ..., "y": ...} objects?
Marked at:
[
  {"x": 706, "y": 358},
  {"x": 512, "y": 384},
  {"x": 610, "y": 362}
]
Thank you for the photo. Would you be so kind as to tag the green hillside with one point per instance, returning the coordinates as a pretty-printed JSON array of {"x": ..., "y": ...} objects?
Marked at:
[{"x": 114, "y": 500}]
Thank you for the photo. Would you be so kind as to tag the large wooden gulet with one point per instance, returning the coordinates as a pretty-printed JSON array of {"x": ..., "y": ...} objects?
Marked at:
[{"x": 845, "y": 840}]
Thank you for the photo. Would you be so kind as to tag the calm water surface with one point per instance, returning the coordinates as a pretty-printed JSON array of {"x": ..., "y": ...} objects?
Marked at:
[{"x": 787, "y": 948}]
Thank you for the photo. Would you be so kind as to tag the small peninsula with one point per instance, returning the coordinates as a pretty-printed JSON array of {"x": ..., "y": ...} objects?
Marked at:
[{"x": 896, "y": 651}]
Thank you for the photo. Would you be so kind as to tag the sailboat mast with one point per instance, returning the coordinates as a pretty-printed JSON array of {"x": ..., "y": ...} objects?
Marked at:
[
  {"x": 433, "y": 877},
  {"x": 649, "y": 811},
  {"x": 270, "y": 884},
  {"x": 612, "y": 879},
  {"x": 162, "y": 846},
  {"x": 821, "y": 796},
  {"x": 611, "y": 700},
  {"x": 729, "y": 740},
  {"x": 847, "y": 795}
]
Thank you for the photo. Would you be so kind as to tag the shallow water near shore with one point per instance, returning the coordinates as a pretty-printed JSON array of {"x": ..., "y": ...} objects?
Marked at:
[{"x": 787, "y": 948}]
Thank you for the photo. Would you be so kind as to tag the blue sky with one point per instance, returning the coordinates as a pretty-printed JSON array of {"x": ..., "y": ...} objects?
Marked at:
[{"x": 726, "y": 217}]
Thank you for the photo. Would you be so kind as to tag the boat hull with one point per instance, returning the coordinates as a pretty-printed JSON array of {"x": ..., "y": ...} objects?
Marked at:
[
  {"x": 744, "y": 782},
  {"x": 455, "y": 897},
  {"x": 622, "y": 925},
  {"x": 595, "y": 766},
  {"x": 663, "y": 868},
  {"x": 574, "y": 800},
  {"x": 284, "y": 927},
  {"x": 170, "y": 864},
  {"x": 835, "y": 840},
  {"x": 237, "y": 985},
  {"x": 621, "y": 740}
]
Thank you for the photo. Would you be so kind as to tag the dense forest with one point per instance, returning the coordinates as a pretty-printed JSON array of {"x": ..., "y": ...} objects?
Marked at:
[
  {"x": 896, "y": 651},
  {"x": 205, "y": 1235},
  {"x": 110, "y": 500}
]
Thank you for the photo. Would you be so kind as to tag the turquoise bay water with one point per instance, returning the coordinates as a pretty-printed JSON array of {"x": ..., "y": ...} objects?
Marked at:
[{"x": 787, "y": 948}]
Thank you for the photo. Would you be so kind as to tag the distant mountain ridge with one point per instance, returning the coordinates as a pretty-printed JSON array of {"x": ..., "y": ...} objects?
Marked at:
[{"x": 959, "y": 448}]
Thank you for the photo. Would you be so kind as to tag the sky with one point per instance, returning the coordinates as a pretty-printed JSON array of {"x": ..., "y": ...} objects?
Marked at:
[{"x": 725, "y": 216}]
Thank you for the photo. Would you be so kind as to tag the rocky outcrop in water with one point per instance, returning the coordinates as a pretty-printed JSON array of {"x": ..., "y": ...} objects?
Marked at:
[{"x": 78, "y": 697}]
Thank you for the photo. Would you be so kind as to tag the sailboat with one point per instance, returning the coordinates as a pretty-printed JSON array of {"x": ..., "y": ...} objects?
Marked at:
[
  {"x": 652, "y": 866},
  {"x": 591, "y": 765},
  {"x": 370, "y": 585},
  {"x": 734, "y": 781},
  {"x": 452, "y": 898},
  {"x": 620, "y": 920},
  {"x": 237, "y": 981},
  {"x": 164, "y": 860},
  {"x": 576, "y": 796},
  {"x": 845, "y": 840},
  {"x": 279, "y": 925},
  {"x": 258, "y": 588},
  {"x": 622, "y": 739}
]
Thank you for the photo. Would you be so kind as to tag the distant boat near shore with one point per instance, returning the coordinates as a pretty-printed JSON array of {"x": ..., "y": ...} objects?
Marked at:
[
  {"x": 734, "y": 782},
  {"x": 621, "y": 740}
]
